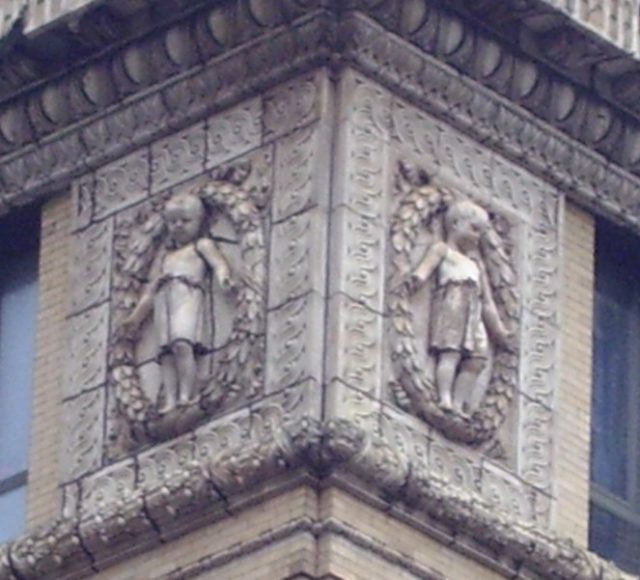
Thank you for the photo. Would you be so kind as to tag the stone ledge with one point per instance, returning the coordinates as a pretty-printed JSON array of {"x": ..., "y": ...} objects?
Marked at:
[
  {"x": 318, "y": 39},
  {"x": 72, "y": 547}
]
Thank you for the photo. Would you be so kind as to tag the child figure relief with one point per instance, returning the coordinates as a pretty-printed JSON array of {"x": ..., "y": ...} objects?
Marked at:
[
  {"x": 176, "y": 294},
  {"x": 463, "y": 318},
  {"x": 454, "y": 309}
]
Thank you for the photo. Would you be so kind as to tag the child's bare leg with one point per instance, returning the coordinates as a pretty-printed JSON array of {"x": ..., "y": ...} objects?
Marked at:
[
  {"x": 445, "y": 375},
  {"x": 187, "y": 370},
  {"x": 470, "y": 369},
  {"x": 170, "y": 382}
]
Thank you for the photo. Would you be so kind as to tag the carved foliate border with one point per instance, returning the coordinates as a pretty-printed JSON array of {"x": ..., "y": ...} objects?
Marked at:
[
  {"x": 261, "y": 177},
  {"x": 240, "y": 366},
  {"x": 386, "y": 128}
]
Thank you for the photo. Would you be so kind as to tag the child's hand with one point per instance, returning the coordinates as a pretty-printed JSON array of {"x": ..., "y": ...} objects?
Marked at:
[
  {"x": 413, "y": 282},
  {"x": 228, "y": 284},
  {"x": 131, "y": 325}
]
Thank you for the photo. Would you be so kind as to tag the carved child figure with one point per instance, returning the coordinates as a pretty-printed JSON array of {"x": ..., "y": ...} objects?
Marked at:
[
  {"x": 176, "y": 294},
  {"x": 464, "y": 315}
]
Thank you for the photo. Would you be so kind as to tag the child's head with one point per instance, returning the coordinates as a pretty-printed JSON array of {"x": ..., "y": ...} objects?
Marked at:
[
  {"x": 184, "y": 215},
  {"x": 466, "y": 220}
]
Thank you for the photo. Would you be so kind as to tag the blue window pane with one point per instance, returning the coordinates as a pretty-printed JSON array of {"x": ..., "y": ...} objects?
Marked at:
[
  {"x": 13, "y": 513},
  {"x": 18, "y": 307},
  {"x": 616, "y": 364},
  {"x": 613, "y": 335}
]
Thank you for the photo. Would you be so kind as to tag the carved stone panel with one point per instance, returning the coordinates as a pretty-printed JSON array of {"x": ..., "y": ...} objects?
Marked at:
[
  {"x": 296, "y": 179},
  {"x": 180, "y": 259},
  {"x": 355, "y": 333},
  {"x": 356, "y": 285},
  {"x": 449, "y": 333},
  {"x": 82, "y": 202},
  {"x": 298, "y": 254},
  {"x": 200, "y": 264},
  {"x": 178, "y": 157},
  {"x": 91, "y": 266},
  {"x": 87, "y": 364},
  {"x": 83, "y": 420},
  {"x": 122, "y": 183},
  {"x": 294, "y": 346},
  {"x": 292, "y": 105},
  {"x": 234, "y": 132}
]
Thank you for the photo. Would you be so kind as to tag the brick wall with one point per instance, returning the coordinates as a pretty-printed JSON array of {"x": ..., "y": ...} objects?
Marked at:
[
  {"x": 304, "y": 533},
  {"x": 43, "y": 493},
  {"x": 574, "y": 394}
]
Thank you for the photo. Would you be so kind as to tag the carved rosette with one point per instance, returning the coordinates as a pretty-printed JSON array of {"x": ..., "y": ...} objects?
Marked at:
[
  {"x": 239, "y": 364},
  {"x": 420, "y": 204}
]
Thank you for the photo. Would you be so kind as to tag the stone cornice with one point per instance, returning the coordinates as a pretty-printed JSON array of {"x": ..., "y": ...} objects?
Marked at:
[
  {"x": 72, "y": 547},
  {"x": 206, "y": 75},
  {"x": 49, "y": 163},
  {"x": 537, "y": 60},
  {"x": 586, "y": 176}
]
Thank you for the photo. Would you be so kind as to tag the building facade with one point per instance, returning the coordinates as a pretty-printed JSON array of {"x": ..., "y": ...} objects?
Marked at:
[{"x": 316, "y": 289}]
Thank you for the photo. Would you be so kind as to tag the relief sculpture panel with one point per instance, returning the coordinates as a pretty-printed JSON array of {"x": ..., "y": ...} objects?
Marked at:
[
  {"x": 467, "y": 257},
  {"x": 457, "y": 366},
  {"x": 175, "y": 259}
]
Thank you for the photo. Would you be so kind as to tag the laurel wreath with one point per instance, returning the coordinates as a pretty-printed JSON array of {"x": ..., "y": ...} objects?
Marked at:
[
  {"x": 239, "y": 369},
  {"x": 419, "y": 204}
]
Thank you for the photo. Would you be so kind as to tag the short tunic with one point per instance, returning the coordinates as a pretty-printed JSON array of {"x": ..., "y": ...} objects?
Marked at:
[
  {"x": 179, "y": 312},
  {"x": 456, "y": 312},
  {"x": 179, "y": 308}
]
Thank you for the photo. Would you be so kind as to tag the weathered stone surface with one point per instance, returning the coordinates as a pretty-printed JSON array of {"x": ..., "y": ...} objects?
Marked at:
[
  {"x": 355, "y": 335},
  {"x": 87, "y": 364},
  {"x": 298, "y": 185},
  {"x": 295, "y": 341},
  {"x": 83, "y": 418},
  {"x": 234, "y": 132},
  {"x": 91, "y": 266},
  {"x": 83, "y": 199},
  {"x": 122, "y": 183},
  {"x": 178, "y": 157},
  {"x": 291, "y": 105},
  {"x": 298, "y": 257}
]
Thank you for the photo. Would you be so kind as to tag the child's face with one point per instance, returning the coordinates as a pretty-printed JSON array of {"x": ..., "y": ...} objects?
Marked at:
[
  {"x": 468, "y": 226},
  {"x": 469, "y": 229},
  {"x": 184, "y": 219}
]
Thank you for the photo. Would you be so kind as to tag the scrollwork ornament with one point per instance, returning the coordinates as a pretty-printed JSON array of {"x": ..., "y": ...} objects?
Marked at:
[
  {"x": 473, "y": 316},
  {"x": 165, "y": 269}
]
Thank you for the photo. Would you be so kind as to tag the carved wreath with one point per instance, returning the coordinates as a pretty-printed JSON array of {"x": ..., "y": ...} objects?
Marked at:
[
  {"x": 239, "y": 367},
  {"x": 420, "y": 205}
]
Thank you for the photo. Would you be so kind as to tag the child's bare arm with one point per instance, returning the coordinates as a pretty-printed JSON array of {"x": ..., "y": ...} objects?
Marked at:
[
  {"x": 142, "y": 310},
  {"x": 491, "y": 317},
  {"x": 145, "y": 304},
  {"x": 431, "y": 260},
  {"x": 216, "y": 261}
]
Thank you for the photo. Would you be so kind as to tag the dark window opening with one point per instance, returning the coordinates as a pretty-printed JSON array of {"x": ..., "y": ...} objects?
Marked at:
[{"x": 614, "y": 527}]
